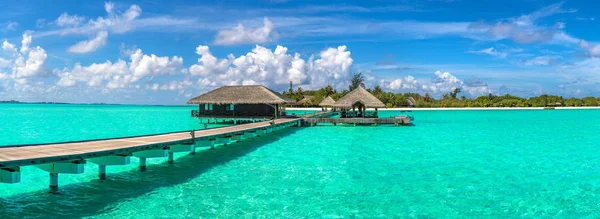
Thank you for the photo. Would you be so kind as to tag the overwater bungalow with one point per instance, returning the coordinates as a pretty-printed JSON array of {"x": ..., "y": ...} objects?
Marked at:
[
  {"x": 247, "y": 102},
  {"x": 306, "y": 101},
  {"x": 410, "y": 102},
  {"x": 358, "y": 99},
  {"x": 327, "y": 102}
]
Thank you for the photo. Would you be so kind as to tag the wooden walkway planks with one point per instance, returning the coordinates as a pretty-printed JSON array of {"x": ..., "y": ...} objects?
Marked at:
[
  {"x": 400, "y": 120},
  {"x": 22, "y": 155}
]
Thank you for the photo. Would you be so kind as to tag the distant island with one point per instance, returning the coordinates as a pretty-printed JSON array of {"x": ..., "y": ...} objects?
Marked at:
[
  {"x": 19, "y": 102},
  {"x": 312, "y": 98}
]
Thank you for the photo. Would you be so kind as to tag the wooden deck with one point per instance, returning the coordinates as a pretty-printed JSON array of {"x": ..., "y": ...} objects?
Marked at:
[
  {"x": 404, "y": 120},
  {"x": 23, "y": 155},
  {"x": 321, "y": 114}
]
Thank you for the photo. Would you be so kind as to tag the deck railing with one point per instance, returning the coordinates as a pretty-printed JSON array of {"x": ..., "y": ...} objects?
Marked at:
[{"x": 229, "y": 114}]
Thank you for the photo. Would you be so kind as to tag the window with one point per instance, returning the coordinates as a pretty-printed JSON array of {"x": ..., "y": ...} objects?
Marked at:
[
  {"x": 208, "y": 107},
  {"x": 229, "y": 107}
]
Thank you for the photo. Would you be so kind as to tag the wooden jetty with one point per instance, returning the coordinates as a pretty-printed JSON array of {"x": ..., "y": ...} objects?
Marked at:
[
  {"x": 70, "y": 157},
  {"x": 401, "y": 120}
]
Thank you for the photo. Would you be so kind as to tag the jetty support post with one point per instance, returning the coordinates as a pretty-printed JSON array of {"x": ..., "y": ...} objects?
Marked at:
[
  {"x": 249, "y": 134},
  {"x": 211, "y": 143},
  {"x": 119, "y": 159},
  {"x": 53, "y": 180},
  {"x": 142, "y": 163},
  {"x": 102, "y": 172},
  {"x": 193, "y": 149},
  {"x": 224, "y": 140},
  {"x": 143, "y": 155},
  {"x": 237, "y": 137},
  {"x": 170, "y": 157},
  {"x": 70, "y": 167}
]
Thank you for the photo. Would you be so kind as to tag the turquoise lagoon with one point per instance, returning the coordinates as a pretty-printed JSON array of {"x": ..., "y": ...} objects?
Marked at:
[{"x": 450, "y": 164}]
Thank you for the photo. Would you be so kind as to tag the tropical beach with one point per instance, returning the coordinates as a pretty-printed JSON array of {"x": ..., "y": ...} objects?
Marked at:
[{"x": 296, "y": 109}]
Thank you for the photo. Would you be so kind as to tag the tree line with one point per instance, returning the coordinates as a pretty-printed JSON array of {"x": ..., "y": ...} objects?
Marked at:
[{"x": 450, "y": 99}]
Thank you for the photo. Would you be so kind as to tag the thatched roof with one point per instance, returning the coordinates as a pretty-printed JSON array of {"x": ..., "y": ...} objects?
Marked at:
[
  {"x": 328, "y": 101},
  {"x": 306, "y": 100},
  {"x": 359, "y": 95},
  {"x": 411, "y": 101},
  {"x": 246, "y": 94}
]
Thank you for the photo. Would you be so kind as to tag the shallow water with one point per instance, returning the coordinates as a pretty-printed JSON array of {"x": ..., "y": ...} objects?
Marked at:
[
  {"x": 45, "y": 123},
  {"x": 449, "y": 164}
]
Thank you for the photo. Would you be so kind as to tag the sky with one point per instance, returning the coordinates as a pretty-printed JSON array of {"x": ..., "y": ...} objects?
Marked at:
[{"x": 166, "y": 52}]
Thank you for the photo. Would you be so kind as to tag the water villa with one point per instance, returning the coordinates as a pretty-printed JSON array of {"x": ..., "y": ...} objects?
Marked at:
[
  {"x": 306, "y": 101},
  {"x": 353, "y": 110},
  {"x": 359, "y": 99},
  {"x": 240, "y": 103},
  {"x": 410, "y": 102},
  {"x": 327, "y": 102}
]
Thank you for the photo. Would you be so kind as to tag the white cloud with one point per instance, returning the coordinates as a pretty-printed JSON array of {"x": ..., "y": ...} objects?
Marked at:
[
  {"x": 333, "y": 68},
  {"x": 592, "y": 49},
  {"x": 9, "y": 48},
  {"x": 442, "y": 82},
  {"x": 242, "y": 35},
  {"x": 109, "y": 7},
  {"x": 33, "y": 65},
  {"x": 542, "y": 61},
  {"x": 10, "y": 26},
  {"x": 407, "y": 83},
  {"x": 113, "y": 22},
  {"x": 91, "y": 44},
  {"x": 490, "y": 51},
  {"x": 66, "y": 20},
  {"x": 528, "y": 28},
  {"x": 208, "y": 64},
  {"x": 25, "y": 63},
  {"x": 120, "y": 74},
  {"x": 97, "y": 29},
  {"x": 173, "y": 85},
  {"x": 25, "y": 43},
  {"x": 274, "y": 69}
]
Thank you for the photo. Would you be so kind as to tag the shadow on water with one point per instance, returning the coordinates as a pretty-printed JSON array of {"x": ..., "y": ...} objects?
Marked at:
[{"x": 94, "y": 197}]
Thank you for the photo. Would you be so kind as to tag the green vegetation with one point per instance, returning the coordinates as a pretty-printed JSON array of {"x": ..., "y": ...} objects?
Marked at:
[{"x": 450, "y": 99}]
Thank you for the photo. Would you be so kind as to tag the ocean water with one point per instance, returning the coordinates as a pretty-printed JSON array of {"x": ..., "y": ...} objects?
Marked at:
[
  {"x": 36, "y": 123},
  {"x": 450, "y": 164}
]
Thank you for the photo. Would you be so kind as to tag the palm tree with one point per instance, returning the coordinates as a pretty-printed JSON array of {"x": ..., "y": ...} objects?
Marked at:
[
  {"x": 427, "y": 97},
  {"x": 358, "y": 79},
  {"x": 377, "y": 90}
]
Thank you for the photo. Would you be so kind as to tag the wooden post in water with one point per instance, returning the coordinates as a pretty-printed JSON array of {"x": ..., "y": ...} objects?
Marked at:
[
  {"x": 142, "y": 163},
  {"x": 53, "y": 180},
  {"x": 170, "y": 157},
  {"x": 193, "y": 151},
  {"x": 212, "y": 143},
  {"x": 102, "y": 172}
]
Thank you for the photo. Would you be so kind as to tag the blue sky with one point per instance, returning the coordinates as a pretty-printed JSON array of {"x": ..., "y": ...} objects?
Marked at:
[{"x": 164, "y": 52}]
